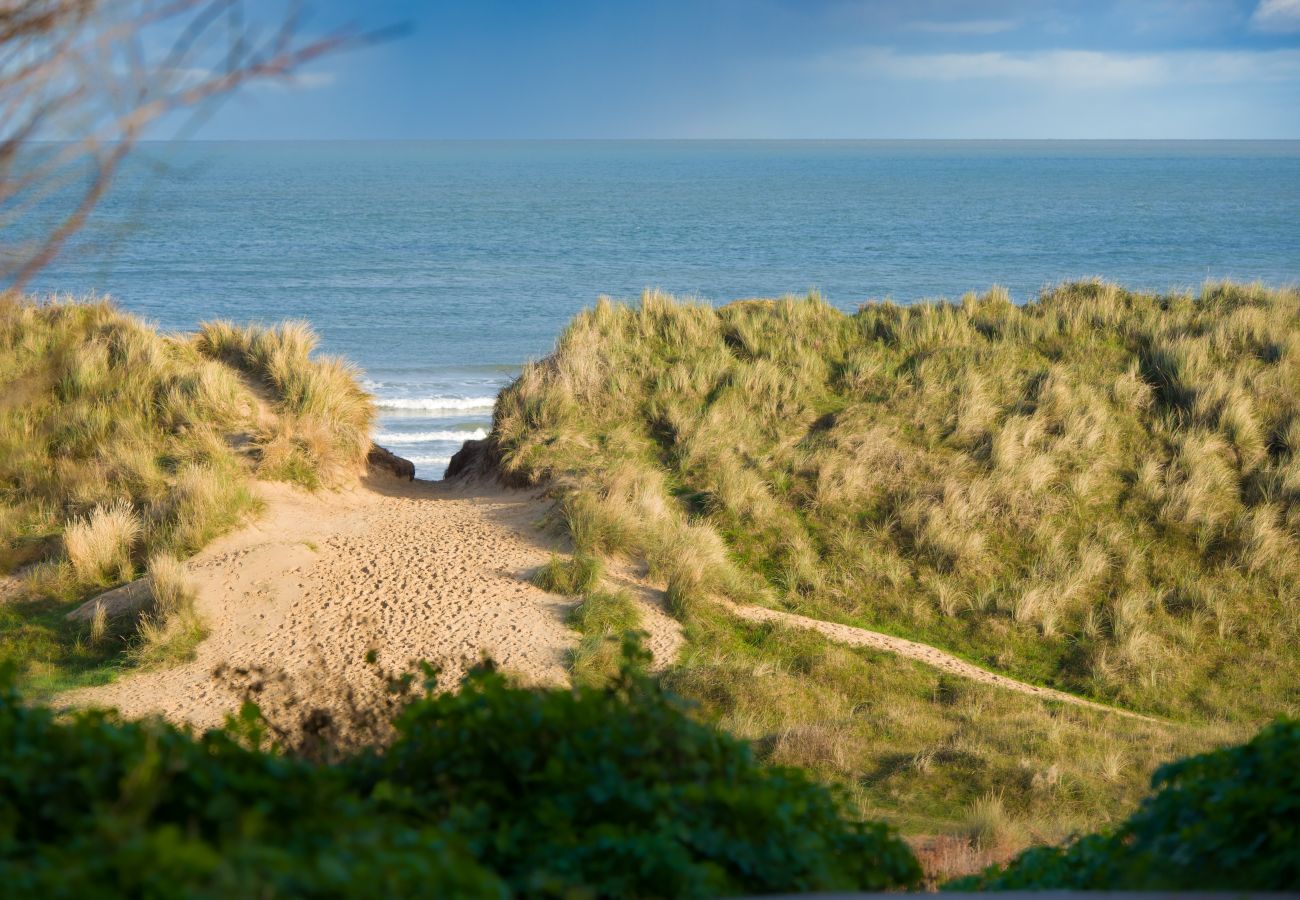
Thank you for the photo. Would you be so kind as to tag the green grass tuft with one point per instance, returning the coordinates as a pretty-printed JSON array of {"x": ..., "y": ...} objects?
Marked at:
[
  {"x": 604, "y": 619},
  {"x": 572, "y": 577}
]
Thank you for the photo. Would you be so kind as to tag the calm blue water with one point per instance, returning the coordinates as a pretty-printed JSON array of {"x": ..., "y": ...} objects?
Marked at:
[{"x": 440, "y": 267}]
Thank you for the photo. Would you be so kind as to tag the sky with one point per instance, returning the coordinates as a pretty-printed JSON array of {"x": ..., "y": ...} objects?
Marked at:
[{"x": 467, "y": 69}]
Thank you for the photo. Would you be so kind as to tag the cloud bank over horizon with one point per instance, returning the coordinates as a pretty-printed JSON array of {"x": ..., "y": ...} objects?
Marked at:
[{"x": 798, "y": 69}]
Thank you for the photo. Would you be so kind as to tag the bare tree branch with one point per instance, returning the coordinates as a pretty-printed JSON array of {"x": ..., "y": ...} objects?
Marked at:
[{"x": 80, "y": 87}]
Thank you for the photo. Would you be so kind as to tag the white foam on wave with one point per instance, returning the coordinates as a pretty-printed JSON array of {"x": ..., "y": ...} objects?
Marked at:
[
  {"x": 429, "y": 460},
  {"x": 420, "y": 437},
  {"x": 436, "y": 403}
]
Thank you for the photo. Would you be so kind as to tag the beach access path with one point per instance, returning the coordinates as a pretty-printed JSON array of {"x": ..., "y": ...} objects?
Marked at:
[{"x": 421, "y": 570}]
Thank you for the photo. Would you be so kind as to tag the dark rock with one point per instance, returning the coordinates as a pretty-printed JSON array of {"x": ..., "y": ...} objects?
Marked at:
[
  {"x": 482, "y": 459},
  {"x": 381, "y": 458},
  {"x": 468, "y": 460}
]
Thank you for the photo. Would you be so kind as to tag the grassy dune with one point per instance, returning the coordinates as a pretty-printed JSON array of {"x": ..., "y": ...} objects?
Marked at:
[
  {"x": 1098, "y": 491},
  {"x": 124, "y": 451}
]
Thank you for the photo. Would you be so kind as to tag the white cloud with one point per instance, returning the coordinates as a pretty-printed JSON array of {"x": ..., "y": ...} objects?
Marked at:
[
  {"x": 1276, "y": 15},
  {"x": 1073, "y": 68},
  {"x": 971, "y": 26}
]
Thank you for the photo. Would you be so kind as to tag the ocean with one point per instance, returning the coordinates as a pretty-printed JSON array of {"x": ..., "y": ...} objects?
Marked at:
[{"x": 441, "y": 267}]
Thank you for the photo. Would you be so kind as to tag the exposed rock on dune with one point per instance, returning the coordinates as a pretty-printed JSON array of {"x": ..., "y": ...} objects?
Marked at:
[
  {"x": 128, "y": 600},
  {"x": 468, "y": 460},
  {"x": 382, "y": 458},
  {"x": 481, "y": 459}
]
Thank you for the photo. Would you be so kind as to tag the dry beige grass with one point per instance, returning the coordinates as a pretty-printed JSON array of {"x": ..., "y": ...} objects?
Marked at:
[
  {"x": 1098, "y": 491},
  {"x": 99, "y": 546},
  {"x": 945, "y": 857},
  {"x": 1002, "y": 481},
  {"x": 118, "y": 442},
  {"x": 320, "y": 433},
  {"x": 168, "y": 634},
  {"x": 988, "y": 825}
]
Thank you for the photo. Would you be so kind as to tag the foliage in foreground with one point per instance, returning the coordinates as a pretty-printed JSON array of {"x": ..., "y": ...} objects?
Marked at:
[
  {"x": 1220, "y": 821},
  {"x": 119, "y": 444},
  {"x": 489, "y": 791}
]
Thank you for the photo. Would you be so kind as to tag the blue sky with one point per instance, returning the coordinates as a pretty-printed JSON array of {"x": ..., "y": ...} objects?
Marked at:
[{"x": 795, "y": 69}]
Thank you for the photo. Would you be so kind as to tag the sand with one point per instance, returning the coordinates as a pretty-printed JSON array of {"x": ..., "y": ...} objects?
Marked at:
[
  {"x": 10, "y": 588},
  {"x": 415, "y": 570},
  {"x": 422, "y": 570}
]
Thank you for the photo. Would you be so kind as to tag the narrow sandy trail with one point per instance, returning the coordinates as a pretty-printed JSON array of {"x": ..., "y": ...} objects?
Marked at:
[
  {"x": 923, "y": 653},
  {"x": 415, "y": 570},
  {"x": 663, "y": 634}
]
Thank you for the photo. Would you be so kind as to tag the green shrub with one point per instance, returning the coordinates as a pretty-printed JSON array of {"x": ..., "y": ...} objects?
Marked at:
[
  {"x": 491, "y": 790},
  {"x": 1227, "y": 820},
  {"x": 91, "y": 806},
  {"x": 572, "y": 577},
  {"x": 616, "y": 789}
]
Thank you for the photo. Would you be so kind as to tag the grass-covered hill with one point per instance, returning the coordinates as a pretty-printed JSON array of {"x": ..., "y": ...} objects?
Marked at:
[
  {"x": 124, "y": 450},
  {"x": 1098, "y": 491}
]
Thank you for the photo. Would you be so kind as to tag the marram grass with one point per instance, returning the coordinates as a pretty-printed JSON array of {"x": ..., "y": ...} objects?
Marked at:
[
  {"x": 320, "y": 430},
  {"x": 1097, "y": 491},
  {"x": 119, "y": 444}
]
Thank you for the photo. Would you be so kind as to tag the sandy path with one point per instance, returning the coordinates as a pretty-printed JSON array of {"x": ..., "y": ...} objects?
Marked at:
[
  {"x": 924, "y": 653},
  {"x": 423, "y": 570}
]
